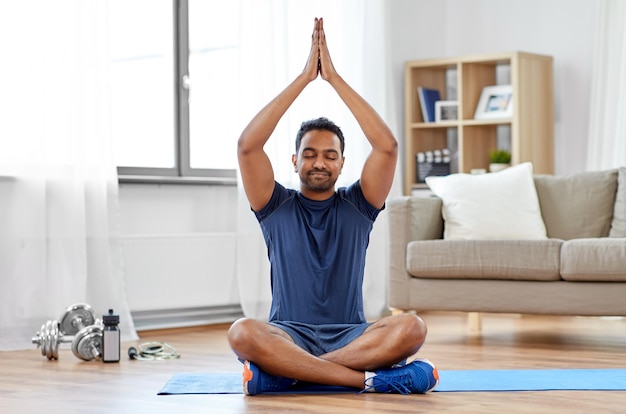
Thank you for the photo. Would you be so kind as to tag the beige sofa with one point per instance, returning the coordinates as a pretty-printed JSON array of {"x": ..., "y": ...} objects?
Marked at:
[{"x": 579, "y": 269}]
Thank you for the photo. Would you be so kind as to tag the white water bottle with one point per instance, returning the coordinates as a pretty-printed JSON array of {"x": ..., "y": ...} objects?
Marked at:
[{"x": 111, "y": 338}]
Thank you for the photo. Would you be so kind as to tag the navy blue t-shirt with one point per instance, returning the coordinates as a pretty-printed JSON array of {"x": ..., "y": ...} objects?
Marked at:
[{"x": 317, "y": 254}]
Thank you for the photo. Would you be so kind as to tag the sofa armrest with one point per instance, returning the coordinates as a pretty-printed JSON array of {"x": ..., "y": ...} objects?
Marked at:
[{"x": 410, "y": 218}]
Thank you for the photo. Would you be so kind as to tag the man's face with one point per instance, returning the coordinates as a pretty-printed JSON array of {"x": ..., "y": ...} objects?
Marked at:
[{"x": 318, "y": 163}]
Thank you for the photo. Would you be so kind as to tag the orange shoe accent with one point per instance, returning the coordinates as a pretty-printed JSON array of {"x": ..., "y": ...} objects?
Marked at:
[
  {"x": 436, "y": 373},
  {"x": 247, "y": 372}
]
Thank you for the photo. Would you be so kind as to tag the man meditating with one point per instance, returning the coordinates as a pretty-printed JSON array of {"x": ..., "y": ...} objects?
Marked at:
[{"x": 316, "y": 239}]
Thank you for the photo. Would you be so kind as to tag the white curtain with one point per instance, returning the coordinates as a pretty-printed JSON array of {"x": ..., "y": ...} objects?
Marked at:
[
  {"x": 275, "y": 42},
  {"x": 607, "y": 121},
  {"x": 59, "y": 233}
]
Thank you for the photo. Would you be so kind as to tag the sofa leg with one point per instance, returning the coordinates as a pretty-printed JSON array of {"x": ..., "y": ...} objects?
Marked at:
[
  {"x": 474, "y": 322},
  {"x": 396, "y": 311}
]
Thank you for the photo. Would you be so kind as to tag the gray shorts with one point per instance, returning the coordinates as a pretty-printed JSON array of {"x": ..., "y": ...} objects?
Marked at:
[{"x": 321, "y": 339}]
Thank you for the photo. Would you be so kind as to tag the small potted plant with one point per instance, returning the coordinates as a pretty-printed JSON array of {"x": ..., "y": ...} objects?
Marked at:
[{"x": 500, "y": 159}]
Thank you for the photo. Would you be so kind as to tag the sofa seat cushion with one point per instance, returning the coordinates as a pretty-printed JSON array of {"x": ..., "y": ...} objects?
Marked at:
[
  {"x": 594, "y": 260},
  {"x": 536, "y": 260}
]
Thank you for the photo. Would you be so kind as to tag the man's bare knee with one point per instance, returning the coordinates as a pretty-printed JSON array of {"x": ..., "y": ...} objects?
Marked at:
[
  {"x": 409, "y": 331},
  {"x": 414, "y": 327},
  {"x": 247, "y": 337},
  {"x": 241, "y": 334}
]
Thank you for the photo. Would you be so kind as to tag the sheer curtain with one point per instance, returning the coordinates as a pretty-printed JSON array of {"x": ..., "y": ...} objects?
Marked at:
[
  {"x": 607, "y": 124},
  {"x": 275, "y": 42},
  {"x": 59, "y": 234}
]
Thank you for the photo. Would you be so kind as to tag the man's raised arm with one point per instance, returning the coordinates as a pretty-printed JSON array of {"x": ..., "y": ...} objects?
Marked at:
[
  {"x": 254, "y": 164},
  {"x": 379, "y": 169}
]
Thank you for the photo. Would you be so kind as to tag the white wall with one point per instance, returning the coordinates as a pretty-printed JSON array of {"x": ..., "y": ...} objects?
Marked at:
[{"x": 420, "y": 29}]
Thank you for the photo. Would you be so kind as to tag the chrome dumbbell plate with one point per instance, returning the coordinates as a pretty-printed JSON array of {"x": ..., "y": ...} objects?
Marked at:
[
  {"x": 87, "y": 344},
  {"x": 48, "y": 339},
  {"x": 75, "y": 318}
]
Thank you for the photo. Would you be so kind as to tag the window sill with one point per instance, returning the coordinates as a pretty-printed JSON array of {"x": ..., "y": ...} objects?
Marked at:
[{"x": 147, "y": 179}]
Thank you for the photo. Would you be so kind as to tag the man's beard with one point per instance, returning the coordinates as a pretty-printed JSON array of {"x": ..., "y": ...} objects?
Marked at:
[{"x": 317, "y": 185}]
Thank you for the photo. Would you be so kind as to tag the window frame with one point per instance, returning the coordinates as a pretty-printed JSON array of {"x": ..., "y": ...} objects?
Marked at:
[{"x": 181, "y": 173}]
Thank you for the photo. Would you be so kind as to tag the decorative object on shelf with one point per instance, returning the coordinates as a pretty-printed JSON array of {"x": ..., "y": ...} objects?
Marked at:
[
  {"x": 495, "y": 102},
  {"x": 427, "y": 98},
  {"x": 431, "y": 163},
  {"x": 446, "y": 111},
  {"x": 500, "y": 159}
]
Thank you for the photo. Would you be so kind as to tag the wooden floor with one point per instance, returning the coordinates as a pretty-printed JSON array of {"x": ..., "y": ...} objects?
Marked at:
[{"x": 30, "y": 383}]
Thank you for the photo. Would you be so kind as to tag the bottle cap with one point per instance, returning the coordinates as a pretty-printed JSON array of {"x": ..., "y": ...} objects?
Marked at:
[{"x": 110, "y": 319}]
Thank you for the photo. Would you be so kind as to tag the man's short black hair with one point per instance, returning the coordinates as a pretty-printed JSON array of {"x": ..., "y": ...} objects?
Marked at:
[{"x": 319, "y": 124}]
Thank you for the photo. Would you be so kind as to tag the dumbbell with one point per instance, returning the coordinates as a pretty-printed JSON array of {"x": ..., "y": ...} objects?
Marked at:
[
  {"x": 49, "y": 338},
  {"x": 78, "y": 320},
  {"x": 52, "y": 333}
]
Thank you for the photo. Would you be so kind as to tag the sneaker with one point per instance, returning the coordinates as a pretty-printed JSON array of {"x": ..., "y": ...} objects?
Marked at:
[
  {"x": 256, "y": 381},
  {"x": 420, "y": 376},
  {"x": 400, "y": 364}
]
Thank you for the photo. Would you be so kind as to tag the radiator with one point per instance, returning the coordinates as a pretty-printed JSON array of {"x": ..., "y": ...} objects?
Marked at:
[
  {"x": 181, "y": 280},
  {"x": 176, "y": 318}
]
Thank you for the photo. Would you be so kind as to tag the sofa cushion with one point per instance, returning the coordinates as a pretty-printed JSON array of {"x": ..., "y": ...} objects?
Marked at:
[
  {"x": 501, "y": 205},
  {"x": 537, "y": 260},
  {"x": 594, "y": 260},
  {"x": 577, "y": 205},
  {"x": 618, "y": 226}
]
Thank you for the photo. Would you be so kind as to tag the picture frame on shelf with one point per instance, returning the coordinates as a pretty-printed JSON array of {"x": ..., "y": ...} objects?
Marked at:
[
  {"x": 446, "y": 111},
  {"x": 495, "y": 102}
]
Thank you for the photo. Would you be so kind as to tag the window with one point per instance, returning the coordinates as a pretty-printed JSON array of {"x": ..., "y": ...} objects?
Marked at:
[{"x": 173, "y": 67}]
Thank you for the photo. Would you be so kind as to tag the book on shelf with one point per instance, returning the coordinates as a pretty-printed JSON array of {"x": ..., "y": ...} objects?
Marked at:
[{"x": 427, "y": 98}]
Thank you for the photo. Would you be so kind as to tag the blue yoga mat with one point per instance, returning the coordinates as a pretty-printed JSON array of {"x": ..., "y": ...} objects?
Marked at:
[
  {"x": 532, "y": 380},
  {"x": 449, "y": 381}
]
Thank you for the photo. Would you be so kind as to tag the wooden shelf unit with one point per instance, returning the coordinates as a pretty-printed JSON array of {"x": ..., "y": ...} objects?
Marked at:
[{"x": 531, "y": 128}]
